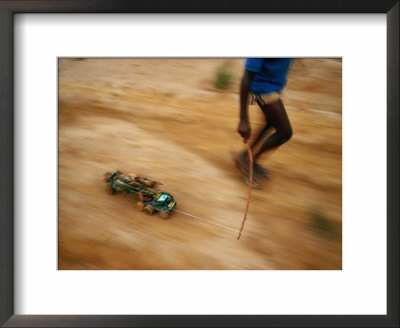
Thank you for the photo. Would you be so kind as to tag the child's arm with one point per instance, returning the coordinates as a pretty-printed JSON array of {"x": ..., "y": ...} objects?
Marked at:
[{"x": 244, "y": 125}]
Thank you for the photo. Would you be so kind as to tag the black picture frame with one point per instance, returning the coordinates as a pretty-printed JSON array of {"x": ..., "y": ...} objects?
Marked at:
[{"x": 7, "y": 10}]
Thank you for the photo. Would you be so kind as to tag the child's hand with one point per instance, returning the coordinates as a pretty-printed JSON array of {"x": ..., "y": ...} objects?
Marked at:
[{"x": 244, "y": 130}]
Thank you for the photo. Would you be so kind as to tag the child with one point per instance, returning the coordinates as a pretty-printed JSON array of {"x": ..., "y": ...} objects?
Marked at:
[{"x": 264, "y": 78}]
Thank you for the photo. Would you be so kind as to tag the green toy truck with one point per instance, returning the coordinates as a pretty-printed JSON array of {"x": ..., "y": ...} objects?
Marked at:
[{"x": 151, "y": 199}]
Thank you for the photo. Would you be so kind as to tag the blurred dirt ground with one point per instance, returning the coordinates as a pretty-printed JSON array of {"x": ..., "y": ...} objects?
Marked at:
[{"x": 164, "y": 119}]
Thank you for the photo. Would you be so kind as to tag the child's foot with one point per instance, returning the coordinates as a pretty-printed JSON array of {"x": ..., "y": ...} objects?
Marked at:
[
  {"x": 259, "y": 173},
  {"x": 242, "y": 163}
]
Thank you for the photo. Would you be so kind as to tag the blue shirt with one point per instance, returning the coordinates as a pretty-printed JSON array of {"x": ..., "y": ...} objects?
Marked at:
[{"x": 270, "y": 74}]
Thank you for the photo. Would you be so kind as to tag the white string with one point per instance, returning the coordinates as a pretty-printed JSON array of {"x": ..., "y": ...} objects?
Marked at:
[{"x": 200, "y": 219}]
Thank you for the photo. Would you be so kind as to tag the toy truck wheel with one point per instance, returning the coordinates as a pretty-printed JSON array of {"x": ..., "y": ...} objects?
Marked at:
[
  {"x": 110, "y": 190},
  {"x": 140, "y": 206},
  {"x": 164, "y": 214},
  {"x": 107, "y": 177},
  {"x": 149, "y": 210}
]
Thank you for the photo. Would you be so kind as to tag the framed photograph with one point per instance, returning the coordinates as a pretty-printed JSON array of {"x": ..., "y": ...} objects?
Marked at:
[{"x": 212, "y": 164}]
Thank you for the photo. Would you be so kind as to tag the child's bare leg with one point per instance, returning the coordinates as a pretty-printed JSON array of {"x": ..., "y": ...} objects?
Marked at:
[
  {"x": 260, "y": 136},
  {"x": 278, "y": 118},
  {"x": 243, "y": 161}
]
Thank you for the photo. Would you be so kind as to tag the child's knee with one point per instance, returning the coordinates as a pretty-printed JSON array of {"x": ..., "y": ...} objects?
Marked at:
[{"x": 286, "y": 135}]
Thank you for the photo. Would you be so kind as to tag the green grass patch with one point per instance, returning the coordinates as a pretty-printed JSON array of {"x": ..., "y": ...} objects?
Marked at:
[
  {"x": 223, "y": 78},
  {"x": 323, "y": 226}
]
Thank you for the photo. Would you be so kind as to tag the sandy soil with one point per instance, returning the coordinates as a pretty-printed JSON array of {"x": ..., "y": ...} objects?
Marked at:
[{"x": 164, "y": 119}]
